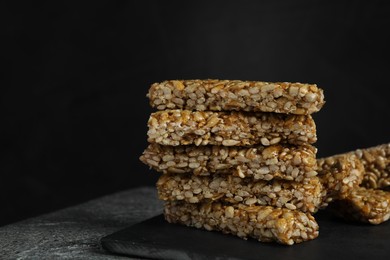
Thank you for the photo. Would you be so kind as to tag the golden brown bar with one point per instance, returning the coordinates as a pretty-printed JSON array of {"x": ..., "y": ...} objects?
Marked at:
[
  {"x": 251, "y": 96},
  {"x": 184, "y": 127},
  {"x": 376, "y": 161},
  {"x": 263, "y": 223},
  {"x": 305, "y": 196},
  {"x": 340, "y": 175},
  {"x": 364, "y": 205},
  {"x": 259, "y": 162}
]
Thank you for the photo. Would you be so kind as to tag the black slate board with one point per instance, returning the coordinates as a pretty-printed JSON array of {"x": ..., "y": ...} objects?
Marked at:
[{"x": 155, "y": 238}]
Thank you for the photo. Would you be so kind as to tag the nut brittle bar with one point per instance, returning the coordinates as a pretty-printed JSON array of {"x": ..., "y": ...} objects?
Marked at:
[
  {"x": 306, "y": 196},
  {"x": 286, "y": 162},
  {"x": 184, "y": 127},
  {"x": 376, "y": 162},
  {"x": 340, "y": 175},
  {"x": 251, "y": 96},
  {"x": 263, "y": 223},
  {"x": 364, "y": 205}
]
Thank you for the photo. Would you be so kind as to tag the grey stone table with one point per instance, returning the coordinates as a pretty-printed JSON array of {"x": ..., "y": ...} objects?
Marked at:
[{"x": 74, "y": 233}]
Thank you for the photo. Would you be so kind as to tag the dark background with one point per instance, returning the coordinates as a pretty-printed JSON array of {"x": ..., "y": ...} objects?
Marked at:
[{"x": 73, "y": 106}]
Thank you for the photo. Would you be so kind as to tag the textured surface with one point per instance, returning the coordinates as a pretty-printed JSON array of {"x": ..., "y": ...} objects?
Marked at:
[
  {"x": 74, "y": 233},
  {"x": 337, "y": 240}
]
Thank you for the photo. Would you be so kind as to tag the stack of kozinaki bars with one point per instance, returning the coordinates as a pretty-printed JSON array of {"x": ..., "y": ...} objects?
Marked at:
[{"x": 237, "y": 156}]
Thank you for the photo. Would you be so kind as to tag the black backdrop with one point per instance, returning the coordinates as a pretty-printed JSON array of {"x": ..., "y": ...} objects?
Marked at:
[{"x": 73, "y": 105}]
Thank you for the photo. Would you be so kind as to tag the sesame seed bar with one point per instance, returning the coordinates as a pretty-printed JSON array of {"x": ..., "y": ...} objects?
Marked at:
[
  {"x": 264, "y": 223},
  {"x": 364, "y": 205},
  {"x": 184, "y": 127},
  {"x": 251, "y": 96},
  {"x": 305, "y": 196},
  {"x": 376, "y": 161},
  {"x": 340, "y": 175},
  {"x": 286, "y": 162}
]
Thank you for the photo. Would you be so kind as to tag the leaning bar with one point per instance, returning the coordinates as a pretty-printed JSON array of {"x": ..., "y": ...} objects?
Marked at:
[
  {"x": 376, "y": 161},
  {"x": 364, "y": 205},
  {"x": 340, "y": 175}
]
